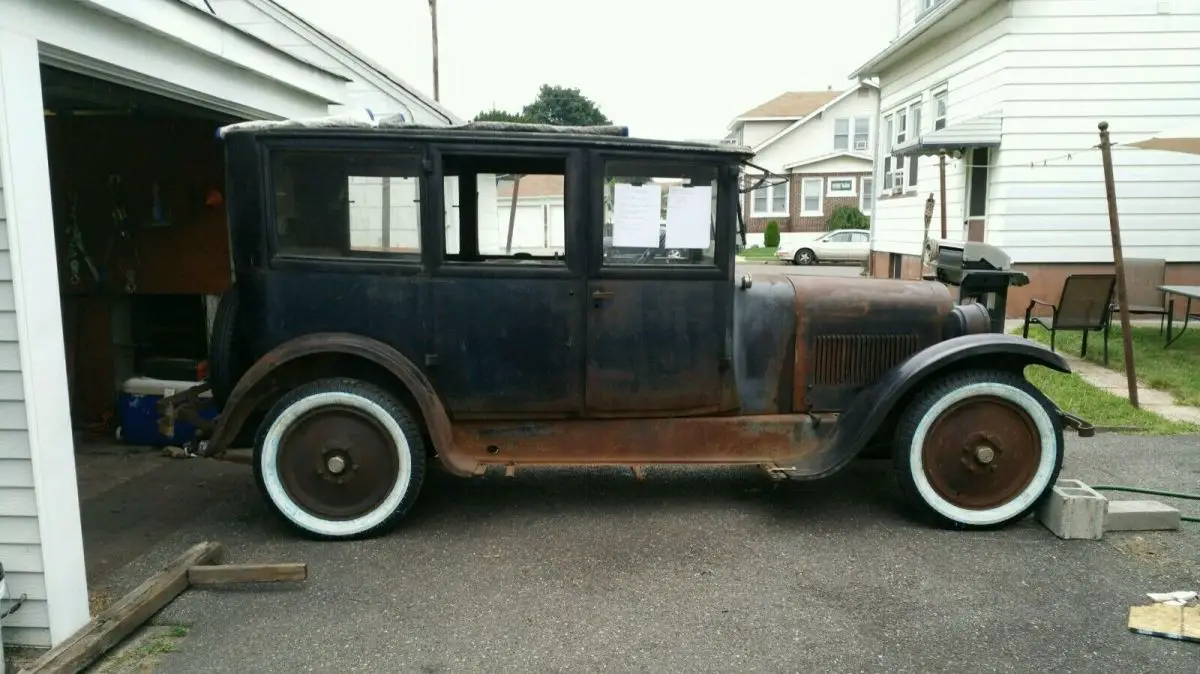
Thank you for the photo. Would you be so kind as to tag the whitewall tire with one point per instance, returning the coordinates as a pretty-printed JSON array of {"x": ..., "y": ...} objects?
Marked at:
[
  {"x": 978, "y": 449},
  {"x": 339, "y": 459}
]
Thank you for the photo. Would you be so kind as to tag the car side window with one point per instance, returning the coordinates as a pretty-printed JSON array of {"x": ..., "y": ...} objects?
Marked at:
[
  {"x": 840, "y": 237},
  {"x": 518, "y": 214},
  {"x": 859, "y": 237},
  {"x": 659, "y": 213},
  {"x": 340, "y": 205}
]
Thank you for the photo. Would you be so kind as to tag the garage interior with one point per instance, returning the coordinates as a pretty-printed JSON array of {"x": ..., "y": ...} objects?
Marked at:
[{"x": 137, "y": 181}]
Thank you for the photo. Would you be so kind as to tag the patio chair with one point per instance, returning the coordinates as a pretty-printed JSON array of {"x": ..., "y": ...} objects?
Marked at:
[
  {"x": 1083, "y": 305},
  {"x": 1142, "y": 278}
]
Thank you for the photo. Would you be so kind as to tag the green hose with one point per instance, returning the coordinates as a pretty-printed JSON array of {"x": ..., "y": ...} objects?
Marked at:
[{"x": 1155, "y": 492}]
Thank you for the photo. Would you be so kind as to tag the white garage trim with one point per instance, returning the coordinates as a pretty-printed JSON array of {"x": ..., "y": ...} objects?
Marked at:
[
  {"x": 24, "y": 168},
  {"x": 216, "y": 61}
]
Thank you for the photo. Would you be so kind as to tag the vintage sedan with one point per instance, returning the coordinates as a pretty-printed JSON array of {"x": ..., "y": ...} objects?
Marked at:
[{"x": 378, "y": 324}]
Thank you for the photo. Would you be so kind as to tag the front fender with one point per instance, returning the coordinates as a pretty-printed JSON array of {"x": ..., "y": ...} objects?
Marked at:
[{"x": 865, "y": 417}]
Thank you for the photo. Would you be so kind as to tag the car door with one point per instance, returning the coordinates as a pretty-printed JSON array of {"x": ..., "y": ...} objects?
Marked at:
[
  {"x": 858, "y": 247},
  {"x": 835, "y": 247},
  {"x": 658, "y": 323},
  {"x": 506, "y": 298}
]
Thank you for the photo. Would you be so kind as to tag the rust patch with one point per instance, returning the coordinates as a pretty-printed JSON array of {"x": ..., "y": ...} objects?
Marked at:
[
  {"x": 768, "y": 439},
  {"x": 268, "y": 376},
  {"x": 849, "y": 330}
]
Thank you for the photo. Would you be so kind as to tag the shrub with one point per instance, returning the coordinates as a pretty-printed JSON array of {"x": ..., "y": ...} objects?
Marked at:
[
  {"x": 848, "y": 217},
  {"x": 771, "y": 236}
]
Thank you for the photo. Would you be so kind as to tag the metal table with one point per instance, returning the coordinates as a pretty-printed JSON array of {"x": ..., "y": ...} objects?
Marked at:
[{"x": 1191, "y": 293}]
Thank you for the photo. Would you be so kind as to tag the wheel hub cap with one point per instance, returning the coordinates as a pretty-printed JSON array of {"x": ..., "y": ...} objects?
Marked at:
[
  {"x": 981, "y": 453},
  {"x": 337, "y": 463}
]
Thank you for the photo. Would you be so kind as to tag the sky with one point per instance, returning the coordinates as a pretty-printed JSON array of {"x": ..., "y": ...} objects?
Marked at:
[{"x": 673, "y": 69}]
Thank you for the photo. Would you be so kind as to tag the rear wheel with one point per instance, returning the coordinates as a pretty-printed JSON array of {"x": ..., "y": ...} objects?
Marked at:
[
  {"x": 339, "y": 459},
  {"x": 805, "y": 256},
  {"x": 978, "y": 449}
]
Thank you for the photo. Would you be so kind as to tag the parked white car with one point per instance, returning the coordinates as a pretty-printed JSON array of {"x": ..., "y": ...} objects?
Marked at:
[{"x": 843, "y": 245}]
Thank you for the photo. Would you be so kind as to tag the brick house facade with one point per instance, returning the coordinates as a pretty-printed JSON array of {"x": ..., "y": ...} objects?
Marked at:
[{"x": 796, "y": 219}]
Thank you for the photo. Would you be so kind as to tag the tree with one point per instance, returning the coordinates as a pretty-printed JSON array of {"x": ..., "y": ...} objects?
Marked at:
[
  {"x": 848, "y": 217},
  {"x": 555, "y": 105},
  {"x": 771, "y": 236},
  {"x": 495, "y": 115},
  {"x": 562, "y": 106}
]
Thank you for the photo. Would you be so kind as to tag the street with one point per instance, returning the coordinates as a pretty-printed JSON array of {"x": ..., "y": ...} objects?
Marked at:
[{"x": 693, "y": 570}]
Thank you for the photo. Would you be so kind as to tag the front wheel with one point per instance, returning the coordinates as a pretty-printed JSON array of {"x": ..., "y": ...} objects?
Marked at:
[
  {"x": 978, "y": 449},
  {"x": 339, "y": 459},
  {"x": 805, "y": 256}
]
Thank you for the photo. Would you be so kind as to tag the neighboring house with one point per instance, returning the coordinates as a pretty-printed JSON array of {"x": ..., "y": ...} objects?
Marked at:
[
  {"x": 538, "y": 217},
  {"x": 820, "y": 142},
  {"x": 369, "y": 85},
  {"x": 1013, "y": 91},
  {"x": 198, "y": 60}
]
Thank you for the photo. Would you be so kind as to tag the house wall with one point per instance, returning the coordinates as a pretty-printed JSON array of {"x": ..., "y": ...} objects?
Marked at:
[
  {"x": 201, "y": 62},
  {"x": 20, "y": 541},
  {"x": 754, "y": 133},
  {"x": 358, "y": 93},
  {"x": 803, "y": 221},
  {"x": 1069, "y": 66},
  {"x": 814, "y": 138},
  {"x": 971, "y": 66}
]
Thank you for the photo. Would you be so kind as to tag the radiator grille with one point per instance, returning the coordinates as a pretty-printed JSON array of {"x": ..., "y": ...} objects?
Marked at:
[{"x": 848, "y": 360}]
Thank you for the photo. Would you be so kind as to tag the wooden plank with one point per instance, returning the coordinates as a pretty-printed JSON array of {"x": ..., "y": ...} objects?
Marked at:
[
  {"x": 1162, "y": 620},
  {"x": 128, "y": 613},
  {"x": 221, "y": 574}
]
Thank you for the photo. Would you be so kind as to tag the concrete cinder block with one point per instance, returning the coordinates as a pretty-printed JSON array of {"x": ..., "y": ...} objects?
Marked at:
[
  {"x": 1074, "y": 510},
  {"x": 1140, "y": 516}
]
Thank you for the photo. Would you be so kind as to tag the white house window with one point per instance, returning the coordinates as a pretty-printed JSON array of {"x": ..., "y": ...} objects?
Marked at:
[
  {"x": 866, "y": 199},
  {"x": 940, "y": 100},
  {"x": 841, "y": 186},
  {"x": 771, "y": 199},
  {"x": 901, "y": 173},
  {"x": 862, "y": 134},
  {"x": 929, "y": 5},
  {"x": 841, "y": 134},
  {"x": 812, "y": 202},
  {"x": 861, "y": 139}
]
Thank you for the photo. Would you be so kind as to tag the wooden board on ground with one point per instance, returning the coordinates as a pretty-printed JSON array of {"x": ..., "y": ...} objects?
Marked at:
[
  {"x": 220, "y": 574},
  {"x": 125, "y": 615},
  {"x": 1162, "y": 620}
]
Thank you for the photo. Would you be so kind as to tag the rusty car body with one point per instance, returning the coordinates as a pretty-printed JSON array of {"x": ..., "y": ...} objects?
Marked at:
[{"x": 351, "y": 364}]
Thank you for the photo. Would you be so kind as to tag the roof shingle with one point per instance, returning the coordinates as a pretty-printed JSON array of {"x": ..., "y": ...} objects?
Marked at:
[{"x": 792, "y": 104}]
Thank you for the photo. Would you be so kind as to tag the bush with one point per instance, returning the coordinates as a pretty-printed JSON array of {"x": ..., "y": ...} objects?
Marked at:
[
  {"x": 848, "y": 217},
  {"x": 771, "y": 236}
]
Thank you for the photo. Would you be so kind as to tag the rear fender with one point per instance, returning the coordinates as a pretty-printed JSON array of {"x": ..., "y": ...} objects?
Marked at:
[
  {"x": 858, "y": 425},
  {"x": 258, "y": 384}
]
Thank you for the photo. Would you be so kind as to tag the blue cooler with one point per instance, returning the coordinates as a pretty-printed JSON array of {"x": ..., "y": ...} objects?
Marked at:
[{"x": 138, "y": 408}]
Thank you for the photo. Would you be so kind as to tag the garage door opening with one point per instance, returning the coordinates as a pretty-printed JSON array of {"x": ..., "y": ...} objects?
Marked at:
[{"x": 137, "y": 183}]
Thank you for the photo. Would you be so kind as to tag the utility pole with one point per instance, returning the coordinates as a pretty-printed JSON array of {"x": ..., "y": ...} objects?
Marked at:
[{"x": 433, "y": 17}]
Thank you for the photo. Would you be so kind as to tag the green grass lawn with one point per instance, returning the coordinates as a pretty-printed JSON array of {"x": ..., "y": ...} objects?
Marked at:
[
  {"x": 759, "y": 253},
  {"x": 1175, "y": 369},
  {"x": 1098, "y": 407}
]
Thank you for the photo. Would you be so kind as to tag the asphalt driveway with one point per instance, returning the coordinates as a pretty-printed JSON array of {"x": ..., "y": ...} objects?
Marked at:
[{"x": 693, "y": 570}]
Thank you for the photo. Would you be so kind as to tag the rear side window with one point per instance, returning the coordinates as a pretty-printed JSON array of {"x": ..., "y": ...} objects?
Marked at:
[{"x": 341, "y": 205}]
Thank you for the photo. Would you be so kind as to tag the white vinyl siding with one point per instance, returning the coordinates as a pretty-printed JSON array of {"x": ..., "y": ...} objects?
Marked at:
[
  {"x": 969, "y": 64},
  {"x": 20, "y": 542},
  {"x": 1070, "y": 66}
]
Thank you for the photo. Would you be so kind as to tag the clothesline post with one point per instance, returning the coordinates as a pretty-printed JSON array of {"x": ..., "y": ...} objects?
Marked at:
[{"x": 1114, "y": 226}]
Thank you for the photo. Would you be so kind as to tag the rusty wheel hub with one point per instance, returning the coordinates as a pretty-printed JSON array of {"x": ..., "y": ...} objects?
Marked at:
[
  {"x": 337, "y": 463},
  {"x": 981, "y": 453}
]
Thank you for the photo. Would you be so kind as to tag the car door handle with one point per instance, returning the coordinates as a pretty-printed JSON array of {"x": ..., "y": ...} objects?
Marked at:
[{"x": 602, "y": 294}]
